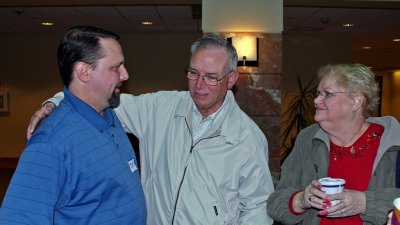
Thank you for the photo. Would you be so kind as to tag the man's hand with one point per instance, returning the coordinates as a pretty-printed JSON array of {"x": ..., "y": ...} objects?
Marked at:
[{"x": 44, "y": 111}]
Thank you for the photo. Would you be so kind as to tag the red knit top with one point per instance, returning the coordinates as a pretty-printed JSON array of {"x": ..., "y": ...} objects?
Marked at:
[{"x": 354, "y": 164}]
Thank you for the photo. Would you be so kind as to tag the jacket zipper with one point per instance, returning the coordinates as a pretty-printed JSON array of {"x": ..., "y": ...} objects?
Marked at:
[
  {"x": 184, "y": 171},
  {"x": 184, "y": 174}
]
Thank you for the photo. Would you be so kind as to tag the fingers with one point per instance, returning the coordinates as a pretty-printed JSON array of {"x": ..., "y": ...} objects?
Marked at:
[
  {"x": 49, "y": 106},
  {"x": 306, "y": 201},
  {"x": 316, "y": 184},
  {"x": 44, "y": 111},
  {"x": 37, "y": 116},
  {"x": 335, "y": 211},
  {"x": 338, "y": 208},
  {"x": 350, "y": 203},
  {"x": 314, "y": 197},
  {"x": 315, "y": 189}
]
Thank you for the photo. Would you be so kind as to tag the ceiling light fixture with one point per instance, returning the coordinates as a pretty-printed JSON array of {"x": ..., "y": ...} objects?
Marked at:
[
  {"x": 347, "y": 25},
  {"x": 47, "y": 24},
  {"x": 396, "y": 40},
  {"x": 147, "y": 23},
  {"x": 366, "y": 47}
]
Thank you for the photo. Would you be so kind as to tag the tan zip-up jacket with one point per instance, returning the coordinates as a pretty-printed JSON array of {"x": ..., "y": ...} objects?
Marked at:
[{"x": 221, "y": 179}]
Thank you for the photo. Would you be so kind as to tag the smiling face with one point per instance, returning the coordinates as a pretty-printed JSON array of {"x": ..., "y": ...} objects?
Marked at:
[
  {"x": 212, "y": 61},
  {"x": 108, "y": 75},
  {"x": 334, "y": 111}
]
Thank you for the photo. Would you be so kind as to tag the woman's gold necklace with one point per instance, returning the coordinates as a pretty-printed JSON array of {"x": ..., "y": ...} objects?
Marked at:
[{"x": 338, "y": 151}]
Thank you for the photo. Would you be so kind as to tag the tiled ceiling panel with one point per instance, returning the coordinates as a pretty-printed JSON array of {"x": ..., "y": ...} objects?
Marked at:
[
  {"x": 121, "y": 19},
  {"x": 373, "y": 26},
  {"x": 106, "y": 17}
]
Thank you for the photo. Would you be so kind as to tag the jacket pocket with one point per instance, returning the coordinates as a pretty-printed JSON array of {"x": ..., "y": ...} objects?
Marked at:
[{"x": 221, "y": 215}]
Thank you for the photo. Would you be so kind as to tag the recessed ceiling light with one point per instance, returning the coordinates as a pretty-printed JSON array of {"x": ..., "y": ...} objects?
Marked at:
[
  {"x": 147, "y": 23},
  {"x": 47, "y": 24},
  {"x": 366, "y": 47},
  {"x": 347, "y": 25},
  {"x": 396, "y": 40}
]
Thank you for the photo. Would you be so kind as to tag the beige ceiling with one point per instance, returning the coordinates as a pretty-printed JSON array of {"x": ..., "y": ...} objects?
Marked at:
[
  {"x": 376, "y": 23},
  {"x": 120, "y": 19},
  {"x": 375, "y": 27}
]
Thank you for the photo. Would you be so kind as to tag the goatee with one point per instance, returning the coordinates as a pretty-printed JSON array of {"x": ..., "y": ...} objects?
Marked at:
[{"x": 114, "y": 100}]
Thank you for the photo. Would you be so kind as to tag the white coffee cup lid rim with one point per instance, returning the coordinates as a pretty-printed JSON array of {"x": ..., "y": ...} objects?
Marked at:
[
  {"x": 330, "y": 180},
  {"x": 396, "y": 203}
]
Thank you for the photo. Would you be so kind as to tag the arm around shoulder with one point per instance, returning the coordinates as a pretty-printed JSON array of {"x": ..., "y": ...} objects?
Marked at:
[
  {"x": 45, "y": 110},
  {"x": 56, "y": 99}
]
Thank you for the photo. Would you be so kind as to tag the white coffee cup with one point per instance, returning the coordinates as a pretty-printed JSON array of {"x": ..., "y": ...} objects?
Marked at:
[
  {"x": 332, "y": 186},
  {"x": 396, "y": 212}
]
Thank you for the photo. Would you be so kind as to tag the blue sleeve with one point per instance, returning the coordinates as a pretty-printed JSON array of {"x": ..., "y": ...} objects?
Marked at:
[{"x": 35, "y": 187}]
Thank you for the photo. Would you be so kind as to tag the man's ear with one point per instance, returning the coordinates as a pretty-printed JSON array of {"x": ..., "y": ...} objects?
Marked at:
[
  {"x": 232, "y": 79},
  {"x": 82, "y": 71}
]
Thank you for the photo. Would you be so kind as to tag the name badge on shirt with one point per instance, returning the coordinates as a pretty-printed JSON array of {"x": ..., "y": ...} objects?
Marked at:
[{"x": 132, "y": 165}]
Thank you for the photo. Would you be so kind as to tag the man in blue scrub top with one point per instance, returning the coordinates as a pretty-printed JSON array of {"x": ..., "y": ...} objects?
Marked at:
[{"x": 79, "y": 167}]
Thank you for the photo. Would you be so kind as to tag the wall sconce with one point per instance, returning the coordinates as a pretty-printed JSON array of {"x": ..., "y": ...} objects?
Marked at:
[{"x": 247, "y": 50}]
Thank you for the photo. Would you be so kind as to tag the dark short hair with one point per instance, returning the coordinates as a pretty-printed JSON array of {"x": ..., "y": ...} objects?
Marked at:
[{"x": 80, "y": 44}]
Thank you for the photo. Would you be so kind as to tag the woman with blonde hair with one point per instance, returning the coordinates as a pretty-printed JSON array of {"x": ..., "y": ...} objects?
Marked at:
[{"x": 348, "y": 143}]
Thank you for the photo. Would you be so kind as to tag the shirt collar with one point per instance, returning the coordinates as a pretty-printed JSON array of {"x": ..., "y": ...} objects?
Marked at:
[
  {"x": 214, "y": 116},
  {"x": 90, "y": 114}
]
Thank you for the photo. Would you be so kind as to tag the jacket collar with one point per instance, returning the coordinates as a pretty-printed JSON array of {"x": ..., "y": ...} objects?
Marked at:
[
  {"x": 185, "y": 106},
  {"x": 392, "y": 130},
  {"x": 388, "y": 141},
  {"x": 389, "y": 137}
]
